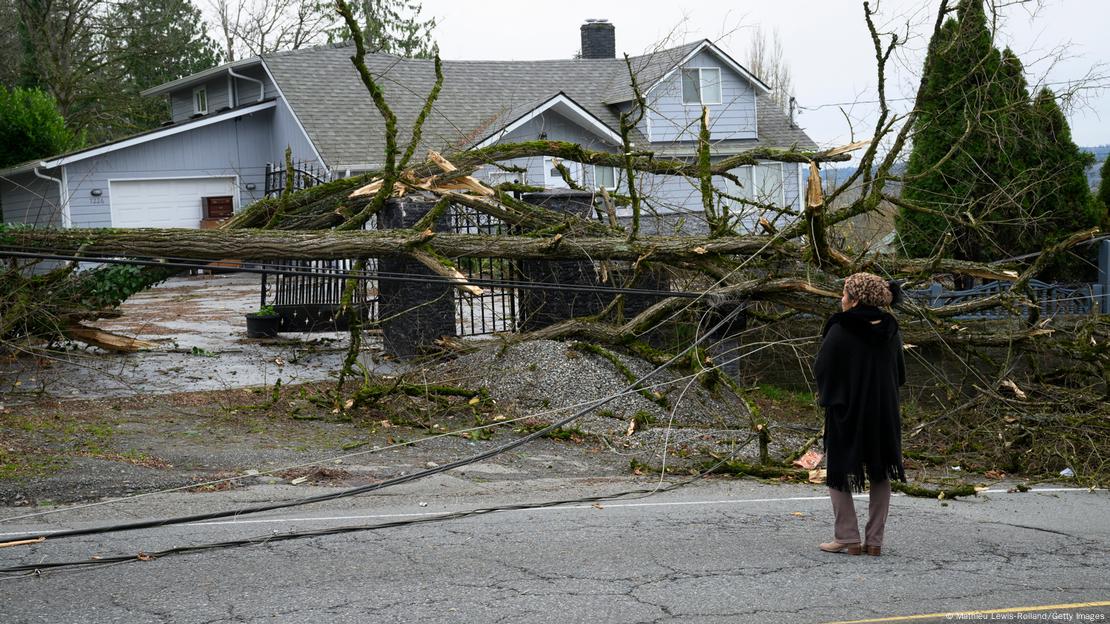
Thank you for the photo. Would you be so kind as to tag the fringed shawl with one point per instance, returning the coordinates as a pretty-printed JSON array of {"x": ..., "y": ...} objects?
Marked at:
[{"x": 859, "y": 369}]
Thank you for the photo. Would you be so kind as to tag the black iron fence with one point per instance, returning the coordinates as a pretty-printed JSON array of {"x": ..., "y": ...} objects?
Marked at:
[
  {"x": 305, "y": 175},
  {"x": 307, "y": 295},
  {"x": 495, "y": 310}
]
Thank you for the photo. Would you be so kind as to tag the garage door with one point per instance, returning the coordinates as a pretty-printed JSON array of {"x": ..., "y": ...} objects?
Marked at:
[{"x": 164, "y": 203}]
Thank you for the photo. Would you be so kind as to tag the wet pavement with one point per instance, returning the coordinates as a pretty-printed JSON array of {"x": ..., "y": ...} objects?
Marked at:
[{"x": 199, "y": 327}]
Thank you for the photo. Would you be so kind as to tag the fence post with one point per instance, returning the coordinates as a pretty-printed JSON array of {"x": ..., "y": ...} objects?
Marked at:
[
  {"x": 413, "y": 314},
  {"x": 1104, "y": 276}
]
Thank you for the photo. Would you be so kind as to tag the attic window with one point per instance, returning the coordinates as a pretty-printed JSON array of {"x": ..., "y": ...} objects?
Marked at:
[
  {"x": 701, "y": 85},
  {"x": 200, "y": 101}
]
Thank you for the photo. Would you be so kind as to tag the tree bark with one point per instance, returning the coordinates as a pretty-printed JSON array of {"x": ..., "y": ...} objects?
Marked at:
[{"x": 329, "y": 244}]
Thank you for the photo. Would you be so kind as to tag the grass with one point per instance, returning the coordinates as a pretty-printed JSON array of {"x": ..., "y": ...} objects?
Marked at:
[{"x": 775, "y": 393}]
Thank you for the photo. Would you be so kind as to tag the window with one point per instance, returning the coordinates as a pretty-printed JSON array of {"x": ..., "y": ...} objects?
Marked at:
[
  {"x": 501, "y": 177},
  {"x": 554, "y": 179},
  {"x": 768, "y": 183},
  {"x": 701, "y": 85},
  {"x": 200, "y": 101},
  {"x": 605, "y": 177},
  {"x": 762, "y": 183}
]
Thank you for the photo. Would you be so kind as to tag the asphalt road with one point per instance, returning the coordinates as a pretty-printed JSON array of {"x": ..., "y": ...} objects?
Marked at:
[{"x": 716, "y": 551}]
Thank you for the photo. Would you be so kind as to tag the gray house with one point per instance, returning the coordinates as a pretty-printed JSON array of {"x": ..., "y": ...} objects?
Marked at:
[{"x": 229, "y": 122}]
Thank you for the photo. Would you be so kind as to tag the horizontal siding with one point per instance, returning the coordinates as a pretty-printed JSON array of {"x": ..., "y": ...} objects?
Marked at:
[
  {"x": 287, "y": 133},
  {"x": 181, "y": 101},
  {"x": 239, "y": 147},
  {"x": 219, "y": 97},
  {"x": 554, "y": 127},
  {"x": 25, "y": 198},
  {"x": 667, "y": 198},
  {"x": 670, "y": 120},
  {"x": 247, "y": 91}
]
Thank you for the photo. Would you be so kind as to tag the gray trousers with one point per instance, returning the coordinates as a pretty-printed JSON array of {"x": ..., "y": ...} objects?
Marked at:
[{"x": 846, "y": 530}]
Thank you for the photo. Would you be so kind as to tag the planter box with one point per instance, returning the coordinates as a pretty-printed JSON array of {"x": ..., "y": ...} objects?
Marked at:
[{"x": 262, "y": 326}]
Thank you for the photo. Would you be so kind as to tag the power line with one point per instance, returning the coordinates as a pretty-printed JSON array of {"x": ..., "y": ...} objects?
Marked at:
[
  {"x": 908, "y": 99},
  {"x": 382, "y": 276},
  {"x": 724, "y": 322}
]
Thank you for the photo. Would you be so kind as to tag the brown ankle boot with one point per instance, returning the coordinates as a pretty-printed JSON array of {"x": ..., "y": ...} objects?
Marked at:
[
  {"x": 837, "y": 547},
  {"x": 874, "y": 551}
]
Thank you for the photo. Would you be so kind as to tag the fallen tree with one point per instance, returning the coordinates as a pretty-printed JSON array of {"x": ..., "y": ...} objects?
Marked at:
[{"x": 787, "y": 270}]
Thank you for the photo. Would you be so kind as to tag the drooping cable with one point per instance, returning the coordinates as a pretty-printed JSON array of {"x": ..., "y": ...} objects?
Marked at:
[{"x": 725, "y": 320}]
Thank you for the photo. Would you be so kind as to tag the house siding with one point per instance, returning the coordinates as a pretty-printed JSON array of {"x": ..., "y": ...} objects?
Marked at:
[
  {"x": 224, "y": 91},
  {"x": 287, "y": 133},
  {"x": 556, "y": 128},
  {"x": 237, "y": 147},
  {"x": 246, "y": 92},
  {"x": 669, "y": 120},
  {"x": 25, "y": 198},
  {"x": 673, "y": 195},
  {"x": 181, "y": 101}
]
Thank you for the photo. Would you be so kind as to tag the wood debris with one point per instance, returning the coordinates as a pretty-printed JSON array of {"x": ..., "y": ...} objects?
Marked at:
[{"x": 409, "y": 180}]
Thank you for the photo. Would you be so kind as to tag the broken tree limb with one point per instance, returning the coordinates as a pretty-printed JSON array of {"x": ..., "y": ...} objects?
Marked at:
[
  {"x": 106, "y": 340},
  {"x": 446, "y": 269}
]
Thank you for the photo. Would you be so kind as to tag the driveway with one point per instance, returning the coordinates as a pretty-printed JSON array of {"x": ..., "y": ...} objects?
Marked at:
[{"x": 199, "y": 327}]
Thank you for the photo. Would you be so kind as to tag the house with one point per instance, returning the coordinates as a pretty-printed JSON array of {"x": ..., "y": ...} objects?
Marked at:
[{"x": 228, "y": 122}]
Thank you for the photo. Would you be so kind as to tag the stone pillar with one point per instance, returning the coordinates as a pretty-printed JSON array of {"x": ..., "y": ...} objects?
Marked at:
[
  {"x": 540, "y": 308},
  {"x": 413, "y": 314}
]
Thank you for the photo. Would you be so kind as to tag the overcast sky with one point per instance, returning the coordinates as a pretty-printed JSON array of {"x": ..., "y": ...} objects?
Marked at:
[{"x": 825, "y": 43}]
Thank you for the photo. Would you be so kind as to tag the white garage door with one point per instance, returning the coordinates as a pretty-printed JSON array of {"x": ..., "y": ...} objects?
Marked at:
[{"x": 164, "y": 203}]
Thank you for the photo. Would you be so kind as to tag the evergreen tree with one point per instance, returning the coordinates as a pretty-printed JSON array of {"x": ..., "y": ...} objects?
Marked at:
[
  {"x": 155, "y": 41},
  {"x": 1104, "y": 189},
  {"x": 391, "y": 27},
  {"x": 31, "y": 127},
  {"x": 1064, "y": 202},
  {"x": 962, "y": 92},
  {"x": 1016, "y": 183}
]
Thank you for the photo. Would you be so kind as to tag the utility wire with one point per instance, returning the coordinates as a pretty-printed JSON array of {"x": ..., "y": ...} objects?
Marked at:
[
  {"x": 144, "y": 524},
  {"x": 35, "y": 568},
  {"x": 383, "y": 276}
]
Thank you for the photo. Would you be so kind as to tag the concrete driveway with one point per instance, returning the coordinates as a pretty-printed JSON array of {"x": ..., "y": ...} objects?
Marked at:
[{"x": 199, "y": 326}]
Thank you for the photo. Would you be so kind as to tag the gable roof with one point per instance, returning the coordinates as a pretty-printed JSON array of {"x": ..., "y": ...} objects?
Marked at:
[
  {"x": 653, "y": 68},
  {"x": 478, "y": 98},
  {"x": 565, "y": 106}
]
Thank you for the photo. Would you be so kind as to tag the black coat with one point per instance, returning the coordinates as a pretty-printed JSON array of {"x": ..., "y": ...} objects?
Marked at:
[{"x": 858, "y": 370}]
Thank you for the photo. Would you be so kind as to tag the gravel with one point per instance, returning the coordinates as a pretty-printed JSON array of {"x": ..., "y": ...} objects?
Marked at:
[{"x": 549, "y": 379}]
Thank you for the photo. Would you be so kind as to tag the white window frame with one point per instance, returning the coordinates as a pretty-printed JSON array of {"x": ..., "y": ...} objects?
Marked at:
[
  {"x": 197, "y": 109},
  {"x": 554, "y": 180},
  {"x": 701, "y": 85},
  {"x": 499, "y": 176},
  {"x": 758, "y": 184},
  {"x": 597, "y": 183}
]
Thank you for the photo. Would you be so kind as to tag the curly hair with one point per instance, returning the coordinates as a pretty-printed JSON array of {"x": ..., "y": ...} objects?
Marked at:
[{"x": 868, "y": 289}]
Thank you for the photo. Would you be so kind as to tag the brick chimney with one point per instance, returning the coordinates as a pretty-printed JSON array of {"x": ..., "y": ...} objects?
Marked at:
[{"x": 599, "y": 39}]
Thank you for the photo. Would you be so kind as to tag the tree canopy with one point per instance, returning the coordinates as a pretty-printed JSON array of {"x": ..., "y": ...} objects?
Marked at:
[
  {"x": 31, "y": 127},
  {"x": 993, "y": 170}
]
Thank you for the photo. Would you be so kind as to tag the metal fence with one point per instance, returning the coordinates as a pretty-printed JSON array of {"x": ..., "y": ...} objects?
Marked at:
[
  {"x": 496, "y": 309},
  {"x": 1053, "y": 299},
  {"x": 308, "y": 293},
  {"x": 305, "y": 175}
]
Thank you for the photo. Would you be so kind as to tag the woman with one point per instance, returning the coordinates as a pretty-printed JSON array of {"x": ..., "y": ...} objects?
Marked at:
[{"x": 858, "y": 370}]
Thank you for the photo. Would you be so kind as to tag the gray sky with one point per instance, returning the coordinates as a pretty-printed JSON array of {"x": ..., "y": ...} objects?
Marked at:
[{"x": 825, "y": 43}]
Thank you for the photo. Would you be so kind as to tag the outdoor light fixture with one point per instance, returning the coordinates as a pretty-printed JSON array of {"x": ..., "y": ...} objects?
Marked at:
[
  {"x": 251, "y": 186},
  {"x": 96, "y": 192}
]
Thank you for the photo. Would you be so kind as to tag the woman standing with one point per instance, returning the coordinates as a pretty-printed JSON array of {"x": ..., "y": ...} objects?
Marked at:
[{"x": 859, "y": 369}]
